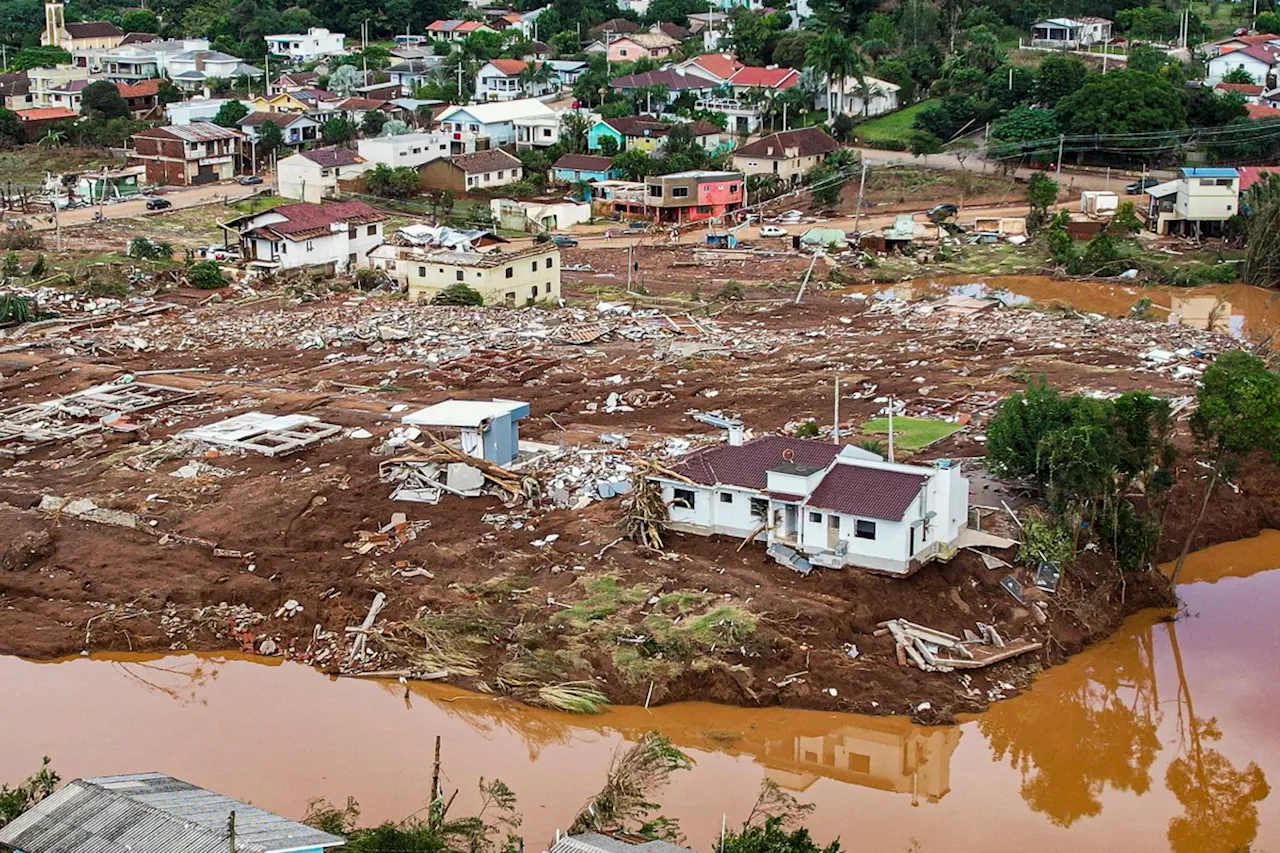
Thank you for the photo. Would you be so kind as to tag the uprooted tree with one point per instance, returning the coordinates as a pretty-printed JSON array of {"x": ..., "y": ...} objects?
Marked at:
[
  {"x": 16, "y": 800},
  {"x": 634, "y": 776}
]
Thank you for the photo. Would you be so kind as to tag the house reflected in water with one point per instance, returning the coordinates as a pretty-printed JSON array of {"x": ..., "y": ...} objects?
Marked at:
[{"x": 885, "y": 754}]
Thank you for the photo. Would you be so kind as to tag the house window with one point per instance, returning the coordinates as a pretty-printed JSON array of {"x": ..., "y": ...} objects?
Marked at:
[
  {"x": 500, "y": 175},
  {"x": 460, "y": 275},
  {"x": 733, "y": 188},
  {"x": 759, "y": 507},
  {"x": 422, "y": 272},
  {"x": 372, "y": 230},
  {"x": 726, "y": 497},
  {"x": 684, "y": 498},
  {"x": 510, "y": 272},
  {"x": 679, "y": 192},
  {"x": 546, "y": 133},
  {"x": 865, "y": 530},
  {"x": 550, "y": 262},
  {"x": 622, "y": 51},
  {"x": 351, "y": 233},
  {"x": 655, "y": 190},
  {"x": 471, "y": 182},
  {"x": 310, "y": 245},
  {"x": 815, "y": 517},
  {"x": 534, "y": 290},
  {"x": 486, "y": 177},
  {"x": 534, "y": 266}
]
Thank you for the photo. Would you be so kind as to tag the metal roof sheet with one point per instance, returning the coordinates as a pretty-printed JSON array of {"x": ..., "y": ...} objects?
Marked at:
[{"x": 151, "y": 813}]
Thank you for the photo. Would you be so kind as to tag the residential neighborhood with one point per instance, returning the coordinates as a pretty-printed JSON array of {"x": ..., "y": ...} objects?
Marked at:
[{"x": 638, "y": 426}]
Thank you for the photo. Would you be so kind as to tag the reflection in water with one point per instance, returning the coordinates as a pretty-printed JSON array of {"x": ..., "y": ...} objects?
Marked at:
[{"x": 1108, "y": 748}]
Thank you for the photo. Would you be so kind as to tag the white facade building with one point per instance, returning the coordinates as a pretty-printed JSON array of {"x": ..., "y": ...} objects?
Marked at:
[
  {"x": 406, "y": 149},
  {"x": 292, "y": 236},
  {"x": 850, "y": 97},
  {"x": 1070, "y": 33},
  {"x": 816, "y": 503},
  {"x": 315, "y": 43},
  {"x": 1258, "y": 61},
  {"x": 313, "y": 175},
  {"x": 498, "y": 123}
]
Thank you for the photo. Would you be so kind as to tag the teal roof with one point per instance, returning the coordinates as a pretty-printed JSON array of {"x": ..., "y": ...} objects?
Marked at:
[{"x": 1209, "y": 173}]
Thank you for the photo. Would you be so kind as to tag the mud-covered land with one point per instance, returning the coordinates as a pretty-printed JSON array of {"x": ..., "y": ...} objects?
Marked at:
[{"x": 484, "y": 591}]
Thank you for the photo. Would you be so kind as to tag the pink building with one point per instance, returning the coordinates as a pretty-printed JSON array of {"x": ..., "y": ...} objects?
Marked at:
[
  {"x": 641, "y": 46},
  {"x": 693, "y": 196}
]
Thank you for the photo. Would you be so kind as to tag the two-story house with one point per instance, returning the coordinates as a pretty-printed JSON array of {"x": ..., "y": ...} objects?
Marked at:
[
  {"x": 297, "y": 129},
  {"x": 338, "y": 236},
  {"x": 314, "y": 175},
  {"x": 526, "y": 122},
  {"x": 502, "y": 80},
  {"x": 1258, "y": 61},
  {"x": 1197, "y": 203},
  {"x": 192, "y": 70},
  {"x": 637, "y": 46},
  {"x": 469, "y": 172},
  {"x": 522, "y": 277},
  {"x": 136, "y": 61},
  {"x": 693, "y": 196},
  {"x": 788, "y": 155},
  {"x": 196, "y": 153},
  {"x": 315, "y": 44},
  {"x": 412, "y": 74},
  {"x": 404, "y": 149}
]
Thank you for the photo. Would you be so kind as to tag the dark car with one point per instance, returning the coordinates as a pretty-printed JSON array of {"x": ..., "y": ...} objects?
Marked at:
[
  {"x": 563, "y": 241},
  {"x": 1140, "y": 186},
  {"x": 942, "y": 211},
  {"x": 158, "y": 204},
  {"x": 250, "y": 180}
]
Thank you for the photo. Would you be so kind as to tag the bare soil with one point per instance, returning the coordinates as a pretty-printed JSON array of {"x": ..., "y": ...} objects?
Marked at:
[{"x": 68, "y": 586}]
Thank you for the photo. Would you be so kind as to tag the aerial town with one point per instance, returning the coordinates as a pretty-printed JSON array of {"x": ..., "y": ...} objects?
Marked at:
[{"x": 639, "y": 426}]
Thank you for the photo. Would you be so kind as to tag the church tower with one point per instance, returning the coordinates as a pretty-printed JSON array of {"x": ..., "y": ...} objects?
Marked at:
[{"x": 54, "y": 23}]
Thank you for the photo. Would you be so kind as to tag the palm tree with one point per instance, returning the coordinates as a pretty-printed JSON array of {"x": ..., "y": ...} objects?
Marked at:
[
  {"x": 535, "y": 75},
  {"x": 834, "y": 55},
  {"x": 53, "y": 138}
]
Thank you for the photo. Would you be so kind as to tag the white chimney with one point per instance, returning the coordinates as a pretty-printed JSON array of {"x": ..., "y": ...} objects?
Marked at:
[{"x": 735, "y": 434}]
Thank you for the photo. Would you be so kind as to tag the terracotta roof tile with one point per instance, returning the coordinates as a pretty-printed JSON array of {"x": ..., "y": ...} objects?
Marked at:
[
  {"x": 806, "y": 142},
  {"x": 509, "y": 67},
  {"x": 766, "y": 78},
  {"x": 485, "y": 161}
]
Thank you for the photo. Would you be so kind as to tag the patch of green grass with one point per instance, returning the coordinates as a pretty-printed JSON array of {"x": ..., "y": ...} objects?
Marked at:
[
  {"x": 911, "y": 433},
  {"x": 259, "y": 203},
  {"x": 681, "y": 602},
  {"x": 604, "y": 598},
  {"x": 894, "y": 126}
]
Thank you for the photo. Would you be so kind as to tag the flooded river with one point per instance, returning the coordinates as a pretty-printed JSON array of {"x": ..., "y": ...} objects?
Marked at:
[
  {"x": 1165, "y": 737},
  {"x": 1239, "y": 309}
]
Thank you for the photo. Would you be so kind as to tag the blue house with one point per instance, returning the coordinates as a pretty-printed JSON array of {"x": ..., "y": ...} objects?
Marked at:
[
  {"x": 488, "y": 428},
  {"x": 601, "y": 130},
  {"x": 152, "y": 813},
  {"x": 572, "y": 168}
]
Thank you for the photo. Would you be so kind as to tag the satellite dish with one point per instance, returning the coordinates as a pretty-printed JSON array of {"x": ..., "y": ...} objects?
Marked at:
[{"x": 788, "y": 454}]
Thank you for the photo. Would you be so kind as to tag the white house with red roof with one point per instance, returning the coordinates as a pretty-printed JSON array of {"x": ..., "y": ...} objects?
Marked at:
[
  {"x": 291, "y": 236},
  {"x": 454, "y": 30},
  {"x": 1258, "y": 61},
  {"x": 500, "y": 80},
  {"x": 818, "y": 503}
]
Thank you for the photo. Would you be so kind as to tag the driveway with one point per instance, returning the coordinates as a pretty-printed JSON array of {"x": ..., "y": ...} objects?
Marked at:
[{"x": 179, "y": 197}]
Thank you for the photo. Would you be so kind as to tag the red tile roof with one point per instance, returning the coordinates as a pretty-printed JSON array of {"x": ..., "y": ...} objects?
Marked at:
[
  {"x": 143, "y": 89},
  {"x": 45, "y": 114},
  {"x": 470, "y": 26},
  {"x": 805, "y": 142},
  {"x": 1242, "y": 88},
  {"x": 302, "y": 220},
  {"x": 1250, "y": 175},
  {"x": 864, "y": 492},
  {"x": 746, "y": 465},
  {"x": 509, "y": 67},
  {"x": 362, "y": 104},
  {"x": 766, "y": 78},
  {"x": 1258, "y": 111},
  {"x": 723, "y": 65},
  {"x": 1268, "y": 53}
]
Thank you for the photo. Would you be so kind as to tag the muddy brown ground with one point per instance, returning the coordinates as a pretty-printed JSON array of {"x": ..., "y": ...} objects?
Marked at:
[{"x": 68, "y": 586}]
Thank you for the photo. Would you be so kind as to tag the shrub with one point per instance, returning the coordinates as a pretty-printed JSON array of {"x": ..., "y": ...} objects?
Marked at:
[
  {"x": 38, "y": 268},
  {"x": 458, "y": 294},
  {"x": 1045, "y": 538},
  {"x": 146, "y": 249},
  {"x": 732, "y": 291},
  {"x": 808, "y": 429},
  {"x": 205, "y": 275}
]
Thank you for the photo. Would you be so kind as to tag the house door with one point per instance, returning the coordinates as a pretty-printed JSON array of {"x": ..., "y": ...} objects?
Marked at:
[
  {"x": 911, "y": 547},
  {"x": 833, "y": 532},
  {"x": 789, "y": 522}
]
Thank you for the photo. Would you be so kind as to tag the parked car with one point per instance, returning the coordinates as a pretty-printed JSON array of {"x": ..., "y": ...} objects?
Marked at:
[
  {"x": 938, "y": 212},
  {"x": 1140, "y": 186},
  {"x": 158, "y": 204},
  {"x": 563, "y": 240},
  {"x": 772, "y": 231},
  {"x": 250, "y": 180}
]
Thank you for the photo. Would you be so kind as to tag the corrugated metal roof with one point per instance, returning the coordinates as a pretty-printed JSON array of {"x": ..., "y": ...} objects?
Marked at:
[
  {"x": 197, "y": 131},
  {"x": 151, "y": 813},
  {"x": 595, "y": 842}
]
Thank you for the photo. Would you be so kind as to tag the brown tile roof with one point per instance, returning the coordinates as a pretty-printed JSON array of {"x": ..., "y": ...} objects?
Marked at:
[
  {"x": 651, "y": 41},
  {"x": 330, "y": 157},
  {"x": 584, "y": 163},
  {"x": 485, "y": 161},
  {"x": 614, "y": 25},
  {"x": 674, "y": 81},
  {"x": 853, "y": 489},
  {"x": 14, "y": 84},
  {"x": 93, "y": 30},
  {"x": 806, "y": 142},
  {"x": 140, "y": 38},
  {"x": 362, "y": 104},
  {"x": 675, "y": 31},
  {"x": 141, "y": 89},
  {"x": 306, "y": 220},
  {"x": 746, "y": 465}
]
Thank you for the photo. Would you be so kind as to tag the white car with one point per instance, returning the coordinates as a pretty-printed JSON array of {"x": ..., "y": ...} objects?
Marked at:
[{"x": 772, "y": 231}]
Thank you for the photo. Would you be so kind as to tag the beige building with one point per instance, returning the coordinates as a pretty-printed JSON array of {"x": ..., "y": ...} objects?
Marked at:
[
  {"x": 1198, "y": 202},
  {"x": 788, "y": 155},
  {"x": 502, "y": 278},
  {"x": 79, "y": 35},
  {"x": 44, "y": 80}
]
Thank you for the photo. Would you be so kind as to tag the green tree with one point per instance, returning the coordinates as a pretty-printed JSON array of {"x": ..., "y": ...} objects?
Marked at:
[
  {"x": 1042, "y": 194},
  {"x": 167, "y": 93},
  {"x": 1239, "y": 75},
  {"x": 1144, "y": 57},
  {"x": 1267, "y": 22},
  {"x": 39, "y": 57},
  {"x": 1020, "y": 424},
  {"x": 771, "y": 837},
  {"x": 139, "y": 21},
  {"x": 338, "y": 130},
  {"x": 14, "y": 801},
  {"x": 102, "y": 99},
  {"x": 1122, "y": 101},
  {"x": 394, "y": 127},
  {"x": 1237, "y": 413},
  {"x": 458, "y": 294},
  {"x": 922, "y": 143},
  {"x": 345, "y": 79},
  {"x": 230, "y": 114},
  {"x": 1026, "y": 124},
  {"x": 371, "y": 124},
  {"x": 12, "y": 132},
  {"x": 389, "y": 182},
  {"x": 833, "y": 55},
  {"x": 1058, "y": 76},
  {"x": 270, "y": 138},
  {"x": 205, "y": 275},
  {"x": 633, "y": 165},
  {"x": 623, "y": 802}
]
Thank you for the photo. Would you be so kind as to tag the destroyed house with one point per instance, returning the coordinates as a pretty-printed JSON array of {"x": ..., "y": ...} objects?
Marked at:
[
  {"x": 488, "y": 429},
  {"x": 151, "y": 812},
  {"x": 817, "y": 503},
  {"x": 338, "y": 235}
]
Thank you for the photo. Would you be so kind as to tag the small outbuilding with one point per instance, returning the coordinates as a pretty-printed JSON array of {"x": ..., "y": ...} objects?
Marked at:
[{"x": 489, "y": 428}]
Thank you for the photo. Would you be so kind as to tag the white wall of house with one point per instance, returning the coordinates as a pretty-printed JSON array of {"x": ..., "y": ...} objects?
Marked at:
[
  {"x": 496, "y": 178},
  {"x": 407, "y": 149},
  {"x": 1207, "y": 198},
  {"x": 338, "y": 247},
  {"x": 315, "y": 43},
  {"x": 1221, "y": 66},
  {"x": 301, "y": 179}
]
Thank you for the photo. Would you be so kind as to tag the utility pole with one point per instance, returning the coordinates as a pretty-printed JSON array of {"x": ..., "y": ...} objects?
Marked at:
[
  {"x": 835, "y": 425},
  {"x": 57, "y": 217},
  {"x": 435, "y": 773},
  {"x": 459, "y": 81},
  {"x": 857, "y": 213},
  {"x": 891, "y": 429},
  {"x": 629, "y": 266},
  {"x": 1062, "y": 137},
  {"x": 231, "y": 832}
]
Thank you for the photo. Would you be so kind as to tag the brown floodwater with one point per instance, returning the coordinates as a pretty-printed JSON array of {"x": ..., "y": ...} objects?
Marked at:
[
  {"x": 1240, "y": 309},
  {"x": 1164, "y": 737}
]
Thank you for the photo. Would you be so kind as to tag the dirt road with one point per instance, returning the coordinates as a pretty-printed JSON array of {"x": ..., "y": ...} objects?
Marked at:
[{"x": 178, "y": 197}]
